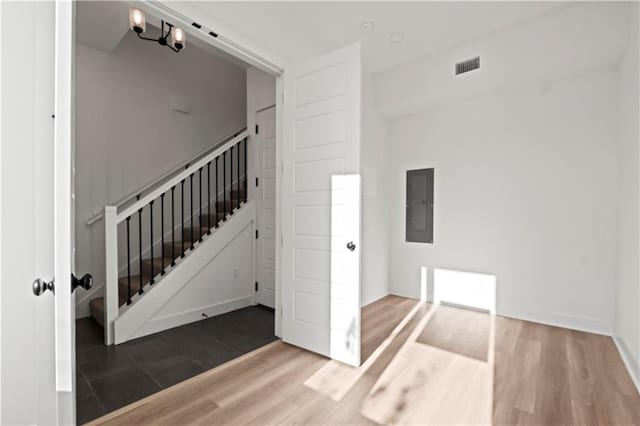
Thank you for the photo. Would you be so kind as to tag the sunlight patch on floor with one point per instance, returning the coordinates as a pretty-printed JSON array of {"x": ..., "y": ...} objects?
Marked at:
[
  {"x": 424, "y": 384},
  {"x": 335, "y": 379}
]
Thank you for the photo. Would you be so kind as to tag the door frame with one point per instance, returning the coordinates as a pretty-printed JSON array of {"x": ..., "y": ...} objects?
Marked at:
[{"x": 259, "y": 193}]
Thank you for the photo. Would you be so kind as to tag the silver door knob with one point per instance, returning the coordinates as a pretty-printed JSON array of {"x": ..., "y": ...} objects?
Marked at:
[
  {"x": 351, "y": 246},
  {"x": 39, "y": 286}
]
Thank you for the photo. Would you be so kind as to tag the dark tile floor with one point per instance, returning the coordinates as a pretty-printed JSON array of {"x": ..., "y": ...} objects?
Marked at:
[{"x": 110, "y": 377}]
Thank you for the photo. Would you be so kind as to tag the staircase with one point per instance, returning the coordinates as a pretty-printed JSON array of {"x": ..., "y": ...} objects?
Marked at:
[{"x": 165, "y": 226}]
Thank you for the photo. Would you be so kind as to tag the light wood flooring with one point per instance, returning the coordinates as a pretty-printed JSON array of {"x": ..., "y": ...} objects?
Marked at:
[{"x": 422, "y": 364}]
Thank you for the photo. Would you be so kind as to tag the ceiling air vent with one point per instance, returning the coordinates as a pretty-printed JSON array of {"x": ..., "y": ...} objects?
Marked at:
[{"x": 468, "y": 65}]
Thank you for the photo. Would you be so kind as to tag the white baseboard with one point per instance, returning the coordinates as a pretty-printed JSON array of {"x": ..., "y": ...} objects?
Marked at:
[
  {"x": 586, "y": 324},
  {"x": 632, "y": 365},
  {"x": 374, "y": 299},
  {"x": 192, "y": 315},
  {"x": 589, "y": 325}
]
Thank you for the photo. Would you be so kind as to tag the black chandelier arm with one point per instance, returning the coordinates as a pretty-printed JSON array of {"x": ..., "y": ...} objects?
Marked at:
[
  {"x": 146, "y": 38},
  {"x": 169, "y": 26},
  {"x": 173, "y": 48}
]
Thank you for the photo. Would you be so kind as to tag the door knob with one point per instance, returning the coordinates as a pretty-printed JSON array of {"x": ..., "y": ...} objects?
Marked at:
[
  {"x": 351, "y": 246},
  {"x": 39, "y": 286},
  {"x": 86, "y": 282}
]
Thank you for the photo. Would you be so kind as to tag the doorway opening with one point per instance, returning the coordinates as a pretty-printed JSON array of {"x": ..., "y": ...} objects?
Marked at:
[{"x": 174, "y": 204}]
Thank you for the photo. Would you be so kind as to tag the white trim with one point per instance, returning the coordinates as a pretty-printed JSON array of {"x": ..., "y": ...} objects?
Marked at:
[
  {"x": 1, "y": 210},
  {"x": 258, "y": 260},
  {"x": 63, "y": 129},
  {"x": 279, "y": 168},
  {"x": 589, "y": 325},
  {"x": 632, "y": 365},
  {"x": 111, "y": 290},
  {"x": 586, "y": 324}
]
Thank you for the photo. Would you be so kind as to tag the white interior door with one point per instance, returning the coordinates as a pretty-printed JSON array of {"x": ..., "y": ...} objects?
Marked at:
[
  {"x": 266, "y": 138},
  {"x": 320, "y": 303},
  {"x": 37, "y": 333}
]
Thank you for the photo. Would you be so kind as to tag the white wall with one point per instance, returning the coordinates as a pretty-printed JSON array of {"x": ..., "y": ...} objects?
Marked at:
[
  {"x": 127, "y": 134},
  {"x": 525, "y": 189},
  {"x": 577, "y": 38},
  {"x": 525, "y": 159},
  {"x": 627, "y": 318},
  {"x": 375, "y": 153},
  {"x": 223, "y": 285}
]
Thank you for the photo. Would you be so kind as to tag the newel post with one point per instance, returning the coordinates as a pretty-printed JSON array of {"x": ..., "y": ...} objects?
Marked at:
[{"x": 111, "y": 272}]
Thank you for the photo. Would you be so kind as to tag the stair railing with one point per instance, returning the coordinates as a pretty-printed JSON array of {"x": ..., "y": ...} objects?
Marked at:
[
  {"x": 141, "y": 212},
  {"x": 129, "y": 198}
]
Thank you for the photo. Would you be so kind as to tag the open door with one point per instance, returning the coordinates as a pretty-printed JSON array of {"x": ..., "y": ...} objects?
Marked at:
[
  {"x": 320, "y": 301},
  {"x": 37, "y": 316}
]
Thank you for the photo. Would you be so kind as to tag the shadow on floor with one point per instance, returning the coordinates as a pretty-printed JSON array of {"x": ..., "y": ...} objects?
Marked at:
[{"x": 110, "y": 377}]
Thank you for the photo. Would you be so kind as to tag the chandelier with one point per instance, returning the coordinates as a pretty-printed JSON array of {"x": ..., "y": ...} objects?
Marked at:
[{"x": 174, "y": 38}]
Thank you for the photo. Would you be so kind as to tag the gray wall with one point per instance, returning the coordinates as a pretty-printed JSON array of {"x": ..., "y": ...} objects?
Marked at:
[
  {"x": 627, "y": 321},
  {"x": 127, "y": 133}
]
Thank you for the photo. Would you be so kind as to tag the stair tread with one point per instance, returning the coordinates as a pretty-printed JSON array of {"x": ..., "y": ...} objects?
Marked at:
[
  {"x": 135, "y": 283},
  {"x": 96, "y": 307},
  {"x": 196, "y": 234}
]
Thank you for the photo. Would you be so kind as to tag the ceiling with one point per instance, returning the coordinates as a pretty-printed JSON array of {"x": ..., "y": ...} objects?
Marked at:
[
  {"x": 324, "y": 26},
  {"x": 102, "y": 25}
]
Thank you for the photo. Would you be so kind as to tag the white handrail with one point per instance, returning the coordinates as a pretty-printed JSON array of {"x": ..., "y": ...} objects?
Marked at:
[
  {"x": 177, "y": 178},
  {"x": 96, "y": 217}
]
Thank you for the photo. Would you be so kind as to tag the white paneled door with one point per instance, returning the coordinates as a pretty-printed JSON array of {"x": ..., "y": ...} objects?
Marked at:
[
  {"x": 266, "y": 203},
  {"x": 36, "y": 341},
  {"x": 320, "y": 275}
]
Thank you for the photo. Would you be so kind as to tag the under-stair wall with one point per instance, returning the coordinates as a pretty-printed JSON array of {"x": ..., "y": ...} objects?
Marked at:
[{"x": 216, "y": 278}]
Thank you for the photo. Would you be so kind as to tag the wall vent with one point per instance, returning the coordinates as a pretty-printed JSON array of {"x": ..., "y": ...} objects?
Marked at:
[{"x": 468, "y": 65}]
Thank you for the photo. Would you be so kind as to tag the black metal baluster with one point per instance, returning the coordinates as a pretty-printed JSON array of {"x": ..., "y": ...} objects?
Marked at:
[
  {"x": 209, "y": 198},
  {"x": 191, "y": 206},
  {"x": 231, "y": 181},
  {"x": 162, "y": 231},
  {"x": 246, "y": 180},
  {"x": 239, "y": 199},
  {"x": 173, "y": 236},
  {"x": 140, "y": 248},
  {"x": 182, "y": 215},
  {"x": 217, "y": 192},
  {"x": 151, "y": 240},
  {"x": 200, "y": 199},
  {"x": 224, "y": 184},
  {"x": 128, "y": 265}
]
